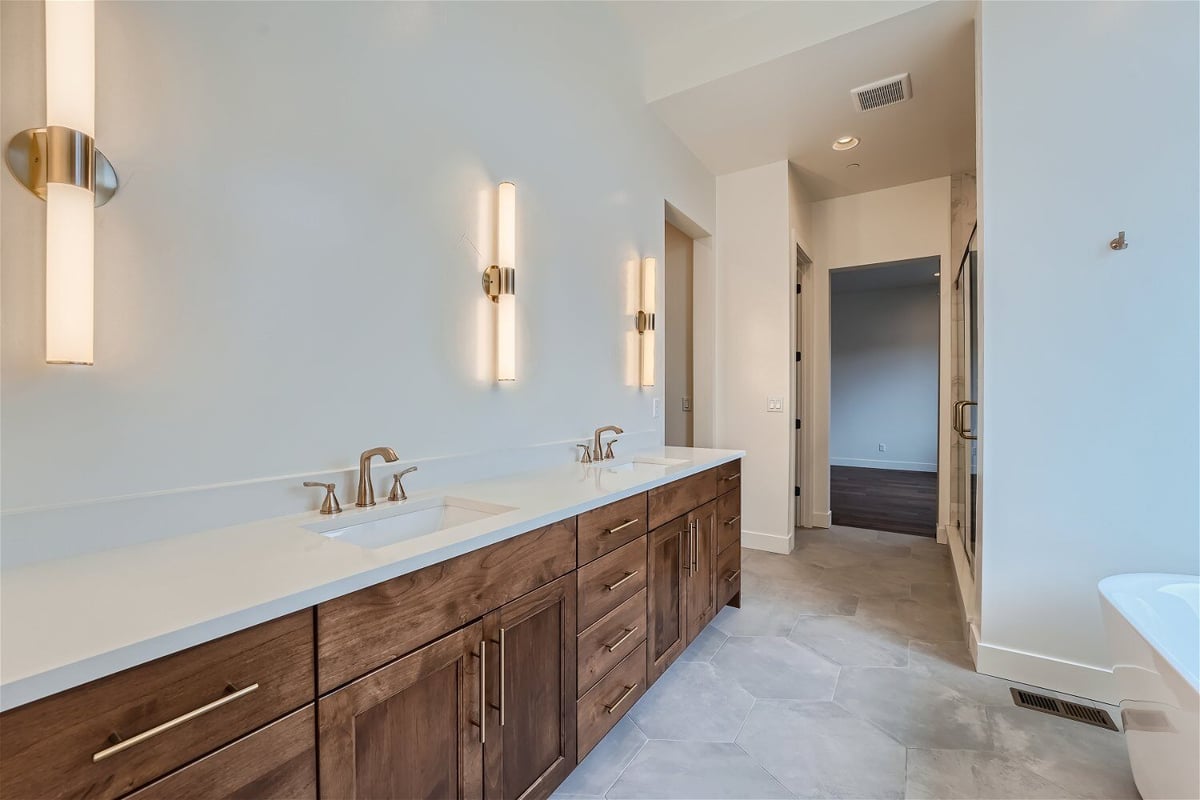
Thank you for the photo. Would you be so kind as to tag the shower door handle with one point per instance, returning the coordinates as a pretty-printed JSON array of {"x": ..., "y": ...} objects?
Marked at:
[{"x": 961, "y": 419}]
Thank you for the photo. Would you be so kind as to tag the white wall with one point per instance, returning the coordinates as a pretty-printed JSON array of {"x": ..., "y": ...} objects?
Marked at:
[
  {"x": 884, "y": 378},
  {"x": 290, "y": 271},
  {"x": 755, "y": 290},
  {"x": 676, "y": 326},
  {"x": 1088, "y": 426},
  {"x": 902, "y": 222}
]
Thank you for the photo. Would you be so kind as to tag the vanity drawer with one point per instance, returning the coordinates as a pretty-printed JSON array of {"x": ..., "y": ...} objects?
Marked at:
[
  {"x": 49, "y": 748},
  {"x": 678, "y": 498},
  {"x": 611, "y": 580},
  {"x": 608, "y": 700},
  {"x": 602, "y": 646},
  {"x": 729, "y": 574},
  {"x": 729, "y": 520},
  {"x": 278, "y": 762},
  {"x": 729, "y": 476},
  {"x": 368, "y": 628},
  {"x": 604, "y": 529}
]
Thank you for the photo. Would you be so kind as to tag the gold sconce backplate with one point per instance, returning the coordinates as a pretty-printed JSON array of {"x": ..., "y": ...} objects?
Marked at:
[
  {"x": 38, "y": 156},
  {"x": 498, "y": 281}
]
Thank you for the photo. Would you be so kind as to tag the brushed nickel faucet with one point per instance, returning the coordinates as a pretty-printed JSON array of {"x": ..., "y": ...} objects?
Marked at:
[
  {"x": 597, "y": 453},
  {"x": 366, "y": 490}
]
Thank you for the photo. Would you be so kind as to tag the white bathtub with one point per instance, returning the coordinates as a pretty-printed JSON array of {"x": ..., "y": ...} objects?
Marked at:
[{"x": 1153, "y": 623}]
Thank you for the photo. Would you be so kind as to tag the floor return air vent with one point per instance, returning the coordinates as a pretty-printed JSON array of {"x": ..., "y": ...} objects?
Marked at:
[{"x": 1063, "y": 708}]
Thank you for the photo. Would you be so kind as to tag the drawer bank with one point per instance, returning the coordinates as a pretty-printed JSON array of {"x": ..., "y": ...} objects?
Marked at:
[{"x": 491, "y": 674}]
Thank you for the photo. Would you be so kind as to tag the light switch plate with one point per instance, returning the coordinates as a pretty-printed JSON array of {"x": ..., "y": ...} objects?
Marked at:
[
  {"x": 654, "y": 407},
  {"x": 687, "y": 404},
  {"x": 775, "y": 404}
]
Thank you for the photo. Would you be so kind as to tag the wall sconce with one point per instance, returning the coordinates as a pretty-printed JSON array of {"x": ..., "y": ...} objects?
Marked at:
[
  {"x": 61, "y": 165},
  {"x": 645, "y": 320},
  {"x": 500, "y": 282}
]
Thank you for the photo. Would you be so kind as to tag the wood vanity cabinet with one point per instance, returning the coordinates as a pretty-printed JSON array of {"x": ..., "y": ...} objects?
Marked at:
[
  {"x": 410, "y": 728},
  {"x": 701, "y": 590},
  {"x": 666, "y": 615},
  {"x": 487, "y": 676},
  {"x": 684, "y": 591},
  {"x": 531, "y": 730}
]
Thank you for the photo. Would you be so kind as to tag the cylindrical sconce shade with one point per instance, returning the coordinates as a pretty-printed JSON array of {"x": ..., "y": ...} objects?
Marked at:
[
  {"x": 70, "y": 213},
  {"x": 506, "y": 333},
  {"x": 506, "y": 225},
  {"x": 649, "y": 288},
  {"x": 506, "y": 304}
]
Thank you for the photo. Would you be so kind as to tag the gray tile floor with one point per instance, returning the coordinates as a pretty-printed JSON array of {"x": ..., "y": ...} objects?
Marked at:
[{"x": 844, "y": 675}]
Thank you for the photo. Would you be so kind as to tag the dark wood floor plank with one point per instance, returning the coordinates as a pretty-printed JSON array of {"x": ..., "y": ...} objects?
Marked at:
[{"x": 884, "y": 499}]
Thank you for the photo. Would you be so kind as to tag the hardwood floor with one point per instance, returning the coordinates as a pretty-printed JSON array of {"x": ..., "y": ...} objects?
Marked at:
[{"x": 884, "y": 499}]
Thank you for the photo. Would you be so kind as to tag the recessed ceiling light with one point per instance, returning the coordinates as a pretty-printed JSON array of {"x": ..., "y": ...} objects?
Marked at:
[{"x": 845, "y": 143}]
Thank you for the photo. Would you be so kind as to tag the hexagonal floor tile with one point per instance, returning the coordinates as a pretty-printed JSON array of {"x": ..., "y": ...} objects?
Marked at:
[
  {"x": 695, "y": 771},
  {"x": 690, "y": 701},
  {"x": 820, "y": 750},
  {"x": 774, "y": 667},
  {"x": 914, "y": 709}
]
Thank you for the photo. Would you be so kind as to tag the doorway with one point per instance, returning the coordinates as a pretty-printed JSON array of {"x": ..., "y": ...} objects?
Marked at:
[
  {"x": 679, "y": 381},
  {"x": 884, "y": 371}
]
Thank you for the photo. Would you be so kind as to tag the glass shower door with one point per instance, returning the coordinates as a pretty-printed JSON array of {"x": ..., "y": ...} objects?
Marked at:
[{"x": 966, "y": 494}]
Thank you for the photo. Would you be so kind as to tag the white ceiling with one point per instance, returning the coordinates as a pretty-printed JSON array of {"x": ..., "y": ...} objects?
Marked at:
[
  {"x": 890, "y": 275},
  {"x": 794, "y": 105}
]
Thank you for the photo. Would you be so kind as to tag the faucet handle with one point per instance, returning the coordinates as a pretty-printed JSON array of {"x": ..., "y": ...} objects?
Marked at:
[
  {"x": 608, "y": 453},
  {"x": 397, "y": 493},
  {"x": 586, "y": 458},
  {"x": 331, "y": 504}
]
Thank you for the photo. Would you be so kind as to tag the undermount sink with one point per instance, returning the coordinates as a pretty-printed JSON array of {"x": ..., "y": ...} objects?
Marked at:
[
  {"x": 646, "y": 463},
  {"x": 410, "y": 520}
]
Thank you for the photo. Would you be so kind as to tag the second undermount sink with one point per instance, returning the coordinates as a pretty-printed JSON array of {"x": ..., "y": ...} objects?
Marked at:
[
  {"x": 643, "y": 463},
  {"x": 409, "y": 520}
]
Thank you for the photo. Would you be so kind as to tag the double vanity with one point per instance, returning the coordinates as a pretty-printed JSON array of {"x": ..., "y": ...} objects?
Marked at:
[{"x": 476, "y": 642}]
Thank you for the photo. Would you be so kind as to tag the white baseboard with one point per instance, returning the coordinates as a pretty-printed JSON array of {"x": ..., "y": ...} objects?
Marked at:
[
  {"x": 1081, "y": 680},
  {"x": 770, "y": 542},
  {"x": 943, "y": 534},
  {"x": 872, "y": 463}
]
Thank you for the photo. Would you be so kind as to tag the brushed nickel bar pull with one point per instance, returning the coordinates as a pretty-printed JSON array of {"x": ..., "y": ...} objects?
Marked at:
[
  {"x": 731, "y": 477},
  {"x": 628, "y": 632},
  {"x": 625, "y": 696},
  {"x": 502, "y": 677},
  {"x": 483, "y": 691},
  {"x": 622, "y": 526},
  {"x": 733, "y": 575},
  {"x": 628, "y": 575},
  {"x": 122, "y": 745},
  {"x": 733, "y": 519}
]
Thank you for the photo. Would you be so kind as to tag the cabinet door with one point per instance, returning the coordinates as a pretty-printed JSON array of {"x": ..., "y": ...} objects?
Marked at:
[
  {"x": 409, "y": 729},
  {"x": 701, "y": 584},
  {"x": 530, "y": 745},
  {"x": 666, "y": 568}
]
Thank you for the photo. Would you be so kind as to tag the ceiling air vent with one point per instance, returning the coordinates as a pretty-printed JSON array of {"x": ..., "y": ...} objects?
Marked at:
[{"x": 886, "y": 92}]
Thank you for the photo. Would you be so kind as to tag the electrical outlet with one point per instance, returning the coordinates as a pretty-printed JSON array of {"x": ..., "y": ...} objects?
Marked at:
[
  {"x": 882, "y": 447},
  {"x": 687, "y": 404}
]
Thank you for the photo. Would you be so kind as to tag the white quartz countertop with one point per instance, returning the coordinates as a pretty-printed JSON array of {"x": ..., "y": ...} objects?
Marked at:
[{"x": 66, "y": 622}]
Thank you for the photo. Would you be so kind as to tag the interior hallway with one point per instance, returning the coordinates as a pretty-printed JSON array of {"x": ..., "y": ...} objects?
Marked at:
[{"x": 844, "y": 675}]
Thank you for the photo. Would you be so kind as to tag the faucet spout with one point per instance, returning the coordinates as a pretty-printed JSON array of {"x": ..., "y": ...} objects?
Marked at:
[
  {"x": 597, "y": 453},
  {"x": 366, "y": 489}
]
